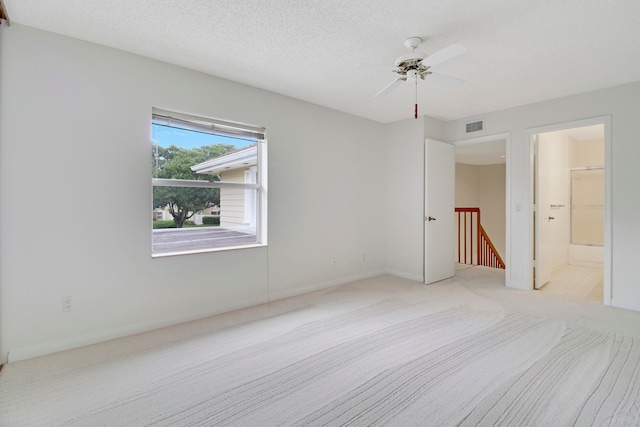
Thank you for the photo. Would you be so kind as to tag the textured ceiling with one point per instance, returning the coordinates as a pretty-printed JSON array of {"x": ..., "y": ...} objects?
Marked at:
[{"x": 520, "y": 51}]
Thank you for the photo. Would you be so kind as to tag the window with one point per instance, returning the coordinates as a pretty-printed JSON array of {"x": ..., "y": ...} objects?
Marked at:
[{"x": 209, "y": 184}]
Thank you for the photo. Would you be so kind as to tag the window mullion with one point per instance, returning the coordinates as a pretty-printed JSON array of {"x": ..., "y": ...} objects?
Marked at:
[{"x": 163, "y": 182}]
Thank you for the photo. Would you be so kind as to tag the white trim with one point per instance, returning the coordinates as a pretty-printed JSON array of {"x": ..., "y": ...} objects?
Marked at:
[
  {"x": 262, "y": 199},
  {"x": 486, "y": 138},
  {"x": 250, "y": 197},
  {"x": 165, "y": 182},
  {"x": 24, "y": 353},
  {"x": 405, "y": 275},
  {"x": 600, "y": 120},
  {"x": 627, "y": 305},
  {"x": 300, "y": 290},
  {"x": 205, "y": 250},
  {"x": 195, "y": 118}
]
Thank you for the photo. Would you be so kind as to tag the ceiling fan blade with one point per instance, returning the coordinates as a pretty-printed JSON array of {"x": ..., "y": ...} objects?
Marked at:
[
  {"x": 444, "y": 55},
  {"x": 388, "y": 88},
  {"x": 441, "y": 79}
]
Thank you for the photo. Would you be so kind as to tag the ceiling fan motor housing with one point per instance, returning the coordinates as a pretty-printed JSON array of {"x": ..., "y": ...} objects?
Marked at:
[
  {"x": 404, "y": 65},
  {"x": 416, "y": 64},
  {"x": 412, "y": 60}
]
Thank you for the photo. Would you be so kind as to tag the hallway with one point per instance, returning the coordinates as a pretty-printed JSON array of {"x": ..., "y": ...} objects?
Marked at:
[{"x": 577, "y": 281}]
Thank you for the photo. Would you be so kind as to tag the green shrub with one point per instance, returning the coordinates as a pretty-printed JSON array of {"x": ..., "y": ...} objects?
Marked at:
[
  {"x": 211, "y": 220},
  {"x": 188, "y": 223},
  {"x": 164, "y": 224}
]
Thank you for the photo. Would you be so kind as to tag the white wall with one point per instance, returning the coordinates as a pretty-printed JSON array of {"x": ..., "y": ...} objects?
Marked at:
[
  {"x": 75, "y": 139},
  {"x": 405, "y": 194},
  {"x": 404, "y": 198},
  {"x": 621, "y": 104},
  {"x": 586, "y": 153},
  {"x": 467, "y": 186},
  {"x": 492, "y": 204}
]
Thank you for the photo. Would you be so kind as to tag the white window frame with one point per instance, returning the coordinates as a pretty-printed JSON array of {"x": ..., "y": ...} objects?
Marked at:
[
  {"x": 259, "y": 186},
  {"x": 250, "y": 197}
]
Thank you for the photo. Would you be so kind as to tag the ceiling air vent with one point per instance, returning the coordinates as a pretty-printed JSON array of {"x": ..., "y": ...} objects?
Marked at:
[{"x": 475, "y": 126}]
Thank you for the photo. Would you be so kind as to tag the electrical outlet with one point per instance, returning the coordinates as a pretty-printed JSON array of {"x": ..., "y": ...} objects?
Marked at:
[{"x": 66, "y": 304}]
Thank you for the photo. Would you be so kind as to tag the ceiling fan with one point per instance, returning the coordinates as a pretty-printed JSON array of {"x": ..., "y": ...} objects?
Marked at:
[{"x": 417, "y": 65}]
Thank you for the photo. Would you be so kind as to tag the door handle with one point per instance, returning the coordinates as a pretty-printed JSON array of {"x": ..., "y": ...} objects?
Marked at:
[
  {"x": 430, "y": 218},
  {"x": 550, "y": 218}
]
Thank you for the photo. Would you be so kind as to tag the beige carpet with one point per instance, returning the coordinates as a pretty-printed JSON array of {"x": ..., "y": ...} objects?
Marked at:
[{"x": 383, "y": 351}]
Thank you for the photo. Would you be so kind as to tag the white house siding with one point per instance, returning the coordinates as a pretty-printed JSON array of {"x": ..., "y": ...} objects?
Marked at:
[{"x": 232, "y": 200}]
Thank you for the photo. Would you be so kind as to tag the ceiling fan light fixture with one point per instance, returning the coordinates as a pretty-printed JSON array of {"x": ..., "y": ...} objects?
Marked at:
[
  {"x": 416, "y": 64},
  {"x": 412, "y": 75}
]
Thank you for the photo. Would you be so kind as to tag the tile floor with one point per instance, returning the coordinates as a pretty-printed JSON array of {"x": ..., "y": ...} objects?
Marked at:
[{"x": 576, "y": 281}]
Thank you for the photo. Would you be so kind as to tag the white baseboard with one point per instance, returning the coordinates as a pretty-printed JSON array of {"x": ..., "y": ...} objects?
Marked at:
[
  {"x": 24, "y": 353},
  {"x": 405, "y": 275},
  {"x": 287, "y": 293},
  {"x": 523, "y": 286},
  {"x": 625, "y": 304}
]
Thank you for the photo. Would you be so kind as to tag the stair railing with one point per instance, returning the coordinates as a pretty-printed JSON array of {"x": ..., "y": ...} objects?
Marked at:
[{"x": 474, "y": 247}]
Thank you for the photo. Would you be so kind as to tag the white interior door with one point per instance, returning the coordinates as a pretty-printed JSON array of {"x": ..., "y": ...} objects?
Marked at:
[
  {"x": 542, "y": 212},
  {"x": 439, "y": 206}
]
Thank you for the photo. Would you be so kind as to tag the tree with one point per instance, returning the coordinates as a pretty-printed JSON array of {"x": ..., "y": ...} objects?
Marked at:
[{"x": 175, "y": 163}]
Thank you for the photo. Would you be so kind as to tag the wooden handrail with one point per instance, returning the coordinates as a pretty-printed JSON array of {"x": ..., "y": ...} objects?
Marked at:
[
  {"x": 485, "y": 252},
  {"x": 488, "y": 254}
]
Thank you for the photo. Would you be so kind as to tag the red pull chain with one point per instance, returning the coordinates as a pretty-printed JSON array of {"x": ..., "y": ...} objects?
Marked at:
[{"x": 416, "y": 112}]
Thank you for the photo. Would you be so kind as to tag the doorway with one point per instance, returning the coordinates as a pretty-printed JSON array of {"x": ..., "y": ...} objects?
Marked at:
[
  {"x": 481, "y": 200},
  {"x": 570, "y": 210}
]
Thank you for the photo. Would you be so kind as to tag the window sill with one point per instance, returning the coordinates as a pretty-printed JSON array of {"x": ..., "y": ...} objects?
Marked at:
[{"x": 207, "y": 250}]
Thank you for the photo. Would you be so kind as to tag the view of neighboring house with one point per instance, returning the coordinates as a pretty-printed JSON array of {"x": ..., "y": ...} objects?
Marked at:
[
  {"x": 165, "y": 215},
  {"x": 237, "y": 205}
]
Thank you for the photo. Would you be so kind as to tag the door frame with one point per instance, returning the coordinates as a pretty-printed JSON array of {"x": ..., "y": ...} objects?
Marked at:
[
  {"x": 507, "y": 199},
  {"x": 529, "y": 133}
]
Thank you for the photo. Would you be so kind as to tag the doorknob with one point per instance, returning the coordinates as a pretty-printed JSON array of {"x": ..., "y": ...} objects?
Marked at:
[
  {"x": 430, "y": 218},
  {"x": 550, "y": 218}
]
